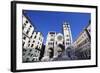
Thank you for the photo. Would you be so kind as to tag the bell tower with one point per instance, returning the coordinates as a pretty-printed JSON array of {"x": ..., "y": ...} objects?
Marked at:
[{"x": 67, "y": 34}]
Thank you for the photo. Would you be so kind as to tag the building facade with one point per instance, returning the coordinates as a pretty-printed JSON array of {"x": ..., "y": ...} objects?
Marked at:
[
  {"x": 27, "y": 30},
  {"x": 82, "y": 44},
  {"x": 57, "y": 42},
  {"x": 31, "y": 41}
]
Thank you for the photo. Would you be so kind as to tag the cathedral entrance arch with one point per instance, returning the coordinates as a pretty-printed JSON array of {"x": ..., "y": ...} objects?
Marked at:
[{"x": 51, "y": 52}]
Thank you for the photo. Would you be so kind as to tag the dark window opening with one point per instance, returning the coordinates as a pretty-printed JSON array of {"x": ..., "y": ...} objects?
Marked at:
[
  {"x": 27, "y": 32},
  {"x": 30, "y": 26},
  {"x": 52, "y": 32},
  {"x": 31, "y": 36},
  {"x": 32, "y": 45},
  {"x": 28, "y": 53},
  {"x": 23, "y": 43},
  {"x": 24, "y": 50},
  {"x": 33, "y": 32},
  {"x": 67, "y": 39},
  {"x": 30, "y": 50},
  {"x": 51, "y": 39},
  {"x": 36, "y": 33},
  {"x": 23, "y": 54},
  {"x": 35, "y": 37},
  {"x": 33, "y": 41},
  {"x": 22, "y": 27},
  {"x": 67, "y": 43},
  {"x": 26, "y": 21},
  {"x": 24, "y": 24},
  {"x": 24, "y": 37},
  {"x": 27, "y": 59},
  {"x": 29, "y": 41},
  {"x": 67, "y": 35},
  {"x": 33, "y": 59},
  {"x": 31, "y": 55}
]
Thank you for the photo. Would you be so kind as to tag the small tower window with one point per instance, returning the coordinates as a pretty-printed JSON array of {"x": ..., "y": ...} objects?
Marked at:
[{"x": 67, "y": 35}]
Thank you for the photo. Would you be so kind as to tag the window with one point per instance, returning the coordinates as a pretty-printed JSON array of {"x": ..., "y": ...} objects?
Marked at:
[
  {"x": 67, "y": 40},
  {"x": 31, "y": 55},
  {"x": 35, "y": 55},
  {"x": 23, "y": 43},
  {"x": 24, "y": 50},
  {"x": 26, "y": 21},
  {"x": 50, "y": 43},
  {"x": 36, "y": 33},
  {"x": 23, "y": 54},
  {"x": 27, "y": 59},
  {"x": 24, "y": 24},
  {"x": 52, "y": 33},
  {"x": 33, "y": 59},
  {"x": 32, "y": 45},
  {"x": 33, "y": 41},
  {"x": 67, "y": 35},
  {"x": 27, "y": 32},
  {"x": 28, "y": 53},
  {"x": 51, "y": 39},
  {"x": 35, "y": 37},
  {"x": 36, "y": 51},
  {"x": 29, "y": 41},
  {"x": 33, "y": 32},
  {"x": 23, "y": 27},
  {"x": 30, "y": 50},
  {"x": 67, "y": 43},
  {"x": 31, "y": 36},
  {"x": 67, "y": 26},
  {"x": 63, "y": 42},
  {"x": 39, "y": 38},
  {"x": 30, "y": 26},
  {"x": 56, "y": 42},
  {"x": 84, "y": 35},
  {"x": 24, "y": 37}
]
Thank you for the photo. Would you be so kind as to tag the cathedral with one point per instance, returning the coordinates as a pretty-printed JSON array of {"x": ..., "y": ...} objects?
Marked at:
[{"x": 57, "y": 42}]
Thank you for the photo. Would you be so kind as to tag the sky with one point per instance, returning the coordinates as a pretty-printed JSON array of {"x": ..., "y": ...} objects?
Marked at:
[{"x": 46, "y": 21}]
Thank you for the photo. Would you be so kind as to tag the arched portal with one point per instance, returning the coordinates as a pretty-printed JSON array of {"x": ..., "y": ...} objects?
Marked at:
[{"x": 51, "y": 52}]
